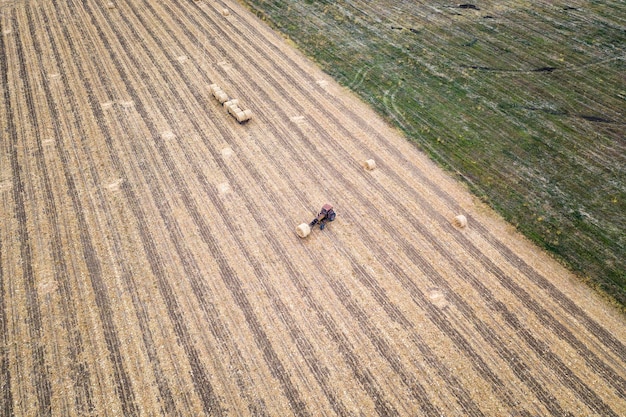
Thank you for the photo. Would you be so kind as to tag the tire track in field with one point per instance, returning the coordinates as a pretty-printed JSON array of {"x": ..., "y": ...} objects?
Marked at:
[
  {"x": 34, "y": 321},
  {"x": 6, "y": 395},
  {"x": 546, "y": 318},
  {"x": 536, "y": 385},
  {"x": 566, "y": 374},
  {"x": 81, "y": 374},
  {"x": 228, "y": 274},
  {"x": 601, "y": 334},
  {"x": 377, "y": 342},
  {"x": 199, "y": 373},
  {"x": 79, "y": 371}
]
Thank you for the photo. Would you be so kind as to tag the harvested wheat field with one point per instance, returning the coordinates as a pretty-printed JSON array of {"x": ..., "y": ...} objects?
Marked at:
[{"x": 149, "y": 261}]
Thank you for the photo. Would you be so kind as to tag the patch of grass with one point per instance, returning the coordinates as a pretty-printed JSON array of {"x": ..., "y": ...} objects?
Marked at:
[{"x": 525, "y": 103}]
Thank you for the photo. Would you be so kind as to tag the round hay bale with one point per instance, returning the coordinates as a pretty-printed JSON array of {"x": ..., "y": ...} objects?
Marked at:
[
  {"x": 248, "y": 114},
  {"x": 214, "y": 88},
  {"x": 230, "y": 103},
  {"x": 460, "y": 221},
  {"x": 221, "y": 96},
  {"x": 225, "y": 12},
  {"x": 240, "y": 116},
  {"x": 303, "y": 230},
  {"x": 110, "y": 5},
  {"x": 370, "y": 164}
]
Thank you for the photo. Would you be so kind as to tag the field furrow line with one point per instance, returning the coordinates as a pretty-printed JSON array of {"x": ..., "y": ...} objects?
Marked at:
[
  {"x": 124, "y": 269},
  {"x": 6, "y": 392},
  {"x": 97, "y": 269},
  {"x": 99, "y": 286}
]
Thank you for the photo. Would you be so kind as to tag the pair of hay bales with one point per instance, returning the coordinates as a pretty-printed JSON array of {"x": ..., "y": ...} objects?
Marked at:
[
  {"x": 459, "y": 221},
  {"x": 231, "y": 105},
  {"x": 303, "y": 230},
  {"x": 233, "y": 109},
  {"x": 218, "y": 93}
]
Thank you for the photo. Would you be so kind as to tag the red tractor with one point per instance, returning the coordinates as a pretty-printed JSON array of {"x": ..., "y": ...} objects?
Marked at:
[{"x": 327, "y": 214}]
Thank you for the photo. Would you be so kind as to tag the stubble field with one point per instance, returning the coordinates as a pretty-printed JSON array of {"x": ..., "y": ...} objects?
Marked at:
[{"x": 149, "y": 264}]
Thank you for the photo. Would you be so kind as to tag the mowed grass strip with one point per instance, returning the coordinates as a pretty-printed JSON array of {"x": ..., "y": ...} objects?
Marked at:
[{"x": 524, "y": 102}]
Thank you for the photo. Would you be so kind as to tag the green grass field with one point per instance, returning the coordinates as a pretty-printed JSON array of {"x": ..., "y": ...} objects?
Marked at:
[{"x": 524, "y": 101}]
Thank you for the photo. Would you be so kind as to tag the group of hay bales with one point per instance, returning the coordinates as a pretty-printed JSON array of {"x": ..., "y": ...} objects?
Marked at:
[
  {"x": 459, "y": 221},
  {"x": 231, "y": 105}
]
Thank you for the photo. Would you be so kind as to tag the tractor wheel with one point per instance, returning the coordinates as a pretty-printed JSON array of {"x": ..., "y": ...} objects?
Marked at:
[{"x": 303, "y": 230}]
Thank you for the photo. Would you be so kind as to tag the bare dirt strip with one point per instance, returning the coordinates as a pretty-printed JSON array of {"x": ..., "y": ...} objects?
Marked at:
[{"x": 149, "y": 263}]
